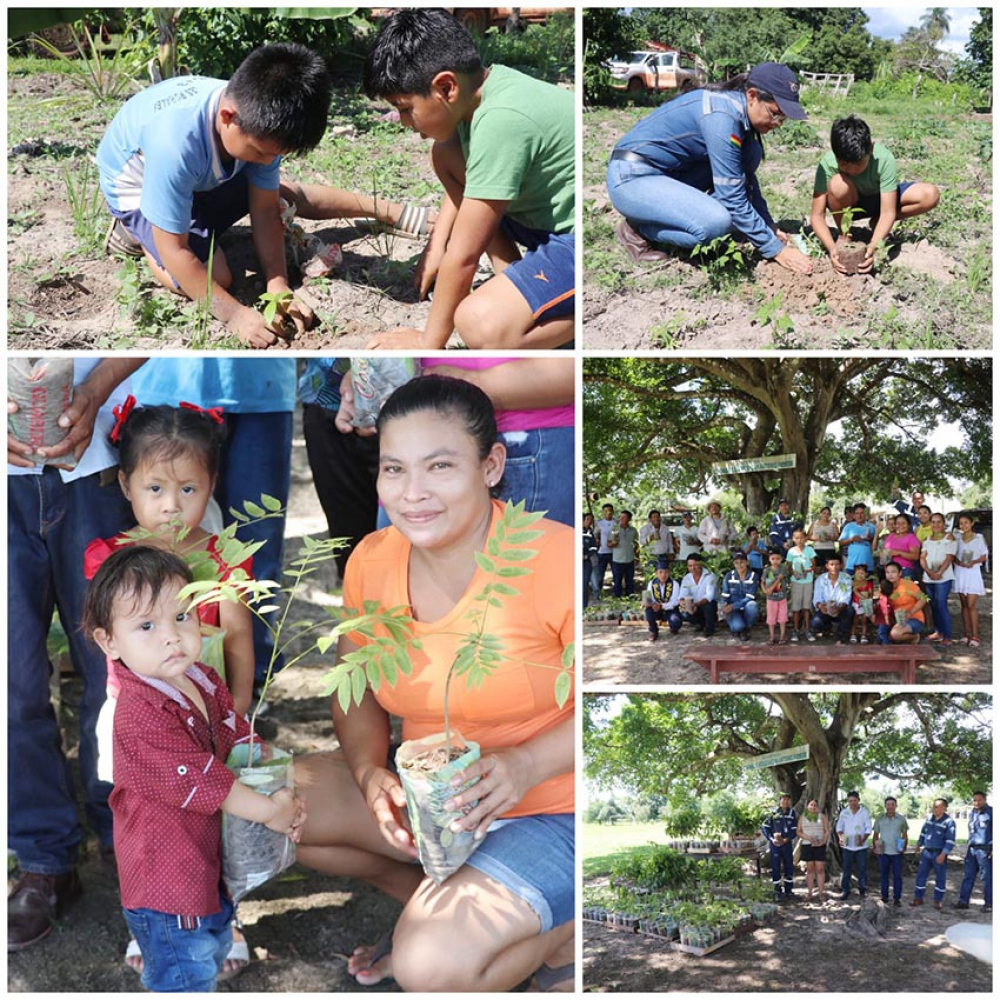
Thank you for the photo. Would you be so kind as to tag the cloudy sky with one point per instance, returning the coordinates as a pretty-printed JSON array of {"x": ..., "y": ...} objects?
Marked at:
[{"x": 891, "y": 22}]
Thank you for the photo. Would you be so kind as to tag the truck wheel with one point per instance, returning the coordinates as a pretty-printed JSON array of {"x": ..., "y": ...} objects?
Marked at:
[{"x": 636, "y": 84}]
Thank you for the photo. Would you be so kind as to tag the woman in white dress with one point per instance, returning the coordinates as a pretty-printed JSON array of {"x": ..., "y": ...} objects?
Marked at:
[{"x": 972, "y": 554}]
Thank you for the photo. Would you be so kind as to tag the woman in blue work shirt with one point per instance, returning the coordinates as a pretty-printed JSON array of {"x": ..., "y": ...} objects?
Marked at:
[{"x": 686, "y": 174}]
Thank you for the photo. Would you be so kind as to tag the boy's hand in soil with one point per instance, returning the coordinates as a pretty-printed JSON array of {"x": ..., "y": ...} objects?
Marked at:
[
  {"x": 869, "y": 262},
  {"x": 427, "y": 268},
  {"x": 403, "y": 336},
  {"x": 504, "y": 779},
  {"x": 387, "y": 801},
  {"x": 249, "y": 326},
  {"x": 301, "y": 315},
  {"x": 835, "y": 260}
]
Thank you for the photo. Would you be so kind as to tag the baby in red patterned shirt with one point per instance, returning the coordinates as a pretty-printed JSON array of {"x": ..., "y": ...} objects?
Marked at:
[{"x": 174, "y": 727}]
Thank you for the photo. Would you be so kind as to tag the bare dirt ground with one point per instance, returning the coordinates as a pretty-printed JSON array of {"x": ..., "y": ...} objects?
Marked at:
[
  {"x": 912, "y": 298},
  {"x": 61, "y": 296},
  {"x": 806, "y": 949},
  {"x": 302, "y": 926},
  {"x": 622, "y": 654}
]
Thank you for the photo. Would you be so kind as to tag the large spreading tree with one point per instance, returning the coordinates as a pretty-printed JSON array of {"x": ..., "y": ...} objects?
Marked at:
[
  {"x": 685, "y": 746},
  {"x": 659, "y": 424}
]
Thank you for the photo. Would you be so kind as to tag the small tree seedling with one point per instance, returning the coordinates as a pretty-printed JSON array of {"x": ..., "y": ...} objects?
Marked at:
[{"x": 275, "y": 307}]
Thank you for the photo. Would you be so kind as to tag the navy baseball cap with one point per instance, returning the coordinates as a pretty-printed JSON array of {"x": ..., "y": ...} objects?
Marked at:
[
  {"x": 663, "y": 563},
  {"x": 779, "y": 81},
  {"x": 740, "y": 556}
]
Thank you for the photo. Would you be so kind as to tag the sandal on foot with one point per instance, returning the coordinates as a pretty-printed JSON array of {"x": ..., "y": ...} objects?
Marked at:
[
  {"x": 636, "y": 246},
  {"x": 379, "y": 950},
  {"x": 239, "y": 952},
  {"x": 414, "y": 223},
  {"x": 974, "y": 644},
  {"x": 119, "y": 240},
  {"x": 546, "y": 978}
]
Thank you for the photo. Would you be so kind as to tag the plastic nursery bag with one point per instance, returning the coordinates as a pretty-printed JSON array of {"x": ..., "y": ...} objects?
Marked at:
[
  {"x": 42, "y": 389},
  {"x": 251, "y": 853},
  {"x": 428, "y": 786},
  {"x": 374, "y": 380}
]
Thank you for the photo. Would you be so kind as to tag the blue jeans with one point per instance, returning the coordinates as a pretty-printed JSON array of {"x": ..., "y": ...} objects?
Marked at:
[
  {"x": 256, "y": 459},
  {"x": 938, "y": 594},
  {"x": 977, "y": 861},
  {"x": 855, "y": 860},
  {"x": 671, "y": 209},
  {"x": 821, "y": 622},
  {"x": 603, "y": 562},
  {"x": 671, "y": 619},
  {"x": 882, "y": 632},
  {"x": 891, "y": 864},
  {"x": 781, "y": 857},
  {"x": 49, "y": 524},
  {"x": 705, "y": 616},
  {"x": 742, "y": 620},
  {"x": 623, "y": 575},
  {"x": 586, "y": 580},
  {"x": 179, "y": 960},
  {"x": 540, "y": 470},
  {"x": 928, "y": 860}
]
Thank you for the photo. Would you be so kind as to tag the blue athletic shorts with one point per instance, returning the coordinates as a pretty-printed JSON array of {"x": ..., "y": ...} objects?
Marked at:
[
  {"x": 871, "y": 204},
  {"x": 533, "y": 857},
  {"x": 212, "y": 213},
  {"x": 546, "y": 274}
]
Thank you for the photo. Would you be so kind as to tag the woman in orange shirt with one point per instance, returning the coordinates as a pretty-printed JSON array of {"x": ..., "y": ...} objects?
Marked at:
[{"x": 507, "y": 912}]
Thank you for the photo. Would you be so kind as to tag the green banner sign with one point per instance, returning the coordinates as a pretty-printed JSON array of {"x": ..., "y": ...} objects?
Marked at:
[
  {"x": 778, "y": 757},
  {"x": 754, "y": 464}
]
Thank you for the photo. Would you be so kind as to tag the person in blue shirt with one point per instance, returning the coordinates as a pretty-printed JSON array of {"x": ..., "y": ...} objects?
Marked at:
[
  {"x": 687, "y": 173},
  {"x": 856, "y": 540},
  {"x": 755, "y": 549},
  {"x": 739, "y": 597},
  {"x": 935, "y": 843},
  {"x": 779, "y": 831},
  {"x": 782, "y": 526},
  {"x": 979, "y": 856}
]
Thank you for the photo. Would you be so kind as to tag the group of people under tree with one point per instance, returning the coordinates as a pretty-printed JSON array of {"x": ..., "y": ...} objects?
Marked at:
[
  {"x": 886, "y": 580},
  {"x": 888, "y": 835},
  {"x": 152, "y": 444}
]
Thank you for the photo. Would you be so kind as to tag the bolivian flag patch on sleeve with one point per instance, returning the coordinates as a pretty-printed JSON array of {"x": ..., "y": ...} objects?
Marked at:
[{"x": 736, "y": 141}]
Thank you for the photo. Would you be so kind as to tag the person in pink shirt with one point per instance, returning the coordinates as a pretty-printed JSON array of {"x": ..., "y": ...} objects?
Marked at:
[{"x": 903, "y": 547}]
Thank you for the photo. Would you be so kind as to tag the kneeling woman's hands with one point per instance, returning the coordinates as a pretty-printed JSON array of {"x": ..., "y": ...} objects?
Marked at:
[
  {"x": 387, "y": 801},
  {"x": 506, "y": 776}
]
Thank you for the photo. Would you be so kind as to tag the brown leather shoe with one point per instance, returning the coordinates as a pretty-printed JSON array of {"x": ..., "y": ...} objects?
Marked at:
[
  {"x": 34, "y": 905},
  {"x": 636, "y": 246}
]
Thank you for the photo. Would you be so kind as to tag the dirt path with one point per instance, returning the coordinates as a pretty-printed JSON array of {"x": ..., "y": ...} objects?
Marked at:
[
  {"x": 806, "y": 949},
  {"x": 622, "y": 654}
]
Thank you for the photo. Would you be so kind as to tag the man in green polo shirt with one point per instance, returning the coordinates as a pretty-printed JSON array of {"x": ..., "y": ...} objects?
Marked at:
[
  {"x": 890, "y": 840},
  {"x": 861, "y": 175}
]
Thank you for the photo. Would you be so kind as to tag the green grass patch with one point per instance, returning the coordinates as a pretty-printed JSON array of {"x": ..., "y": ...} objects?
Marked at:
[{"x": 604, "y": 842}]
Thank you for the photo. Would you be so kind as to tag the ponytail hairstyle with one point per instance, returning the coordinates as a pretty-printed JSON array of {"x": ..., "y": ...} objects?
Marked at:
[{"x": 165, "y": 433}]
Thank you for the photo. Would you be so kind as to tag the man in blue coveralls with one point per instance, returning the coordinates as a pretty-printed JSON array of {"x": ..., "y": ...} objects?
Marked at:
[
  {"x": 779, "y": 831},
  {"x": 979, "y": 857},
  {"x": 935, "y": 843}
]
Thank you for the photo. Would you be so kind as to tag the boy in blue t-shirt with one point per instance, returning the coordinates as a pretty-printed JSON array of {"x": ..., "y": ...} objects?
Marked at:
[
  {"x": 504, "y": 150},
  {"x": 186, "y": 158},
  {"x": 861, "y": 175}
]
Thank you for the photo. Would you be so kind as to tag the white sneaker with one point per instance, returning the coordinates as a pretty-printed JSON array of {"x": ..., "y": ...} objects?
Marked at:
[
  {"x": 864, "y": 640},
  {"x": 854, "y": 640},
  {"x": 810, "y": 637},
  {"x": 795, "y": 636}
]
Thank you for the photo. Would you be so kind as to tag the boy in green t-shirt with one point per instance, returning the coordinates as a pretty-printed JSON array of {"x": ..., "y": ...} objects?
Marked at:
[
  {"x": 504, "y": 149},
  {"x": 861, "y": 175}
]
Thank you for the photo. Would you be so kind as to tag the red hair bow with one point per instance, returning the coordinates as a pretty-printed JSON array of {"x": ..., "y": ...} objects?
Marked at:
[
  {"x": 121, "y": 415},
  {"x": 213, "y": 413}
]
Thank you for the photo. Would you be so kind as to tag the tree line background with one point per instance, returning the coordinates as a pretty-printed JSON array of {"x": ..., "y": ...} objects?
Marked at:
[{"x": 820, "y": 40}]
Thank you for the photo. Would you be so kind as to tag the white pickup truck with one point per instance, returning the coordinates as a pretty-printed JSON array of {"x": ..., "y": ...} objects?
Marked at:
[{"x": 650, "y": 69}]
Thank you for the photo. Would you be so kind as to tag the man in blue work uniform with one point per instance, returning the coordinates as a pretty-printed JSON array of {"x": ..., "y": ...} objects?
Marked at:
[
  {"x": 979, "y": 857},
  {"x": 935, "y": 843},
  {"x": 779, "y": 831},
  {"x": 739, "y": 593},
  {"x": 780, "y": 533}
]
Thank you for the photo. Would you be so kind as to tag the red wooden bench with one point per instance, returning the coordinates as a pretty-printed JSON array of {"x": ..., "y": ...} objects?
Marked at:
[{"x": 749, "y": 659}]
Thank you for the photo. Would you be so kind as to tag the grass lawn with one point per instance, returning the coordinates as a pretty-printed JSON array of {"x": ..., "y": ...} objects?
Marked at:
[{"x": 603, "y": 842}]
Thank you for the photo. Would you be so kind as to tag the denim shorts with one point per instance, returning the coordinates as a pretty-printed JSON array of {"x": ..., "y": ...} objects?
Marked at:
[
  {"x": 540, "y": 471},
  {"x": 177, "y": 959},
  {"x": 546, "y": 274},
  {"x": 212, "y": 213},
  {"x": 533, "y": 857},
  {"x": 916, "y": 627},
  {"x": 871, "y": 204}
]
